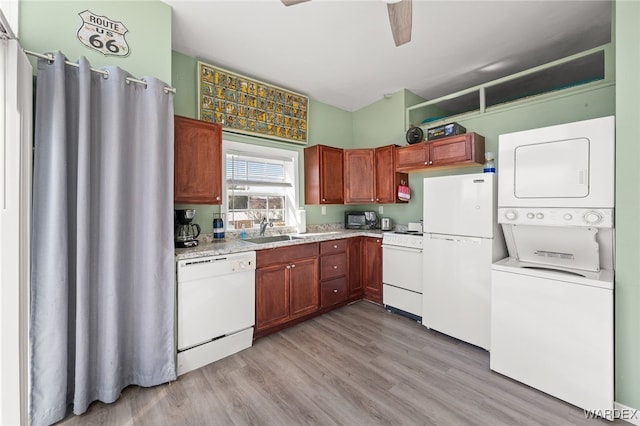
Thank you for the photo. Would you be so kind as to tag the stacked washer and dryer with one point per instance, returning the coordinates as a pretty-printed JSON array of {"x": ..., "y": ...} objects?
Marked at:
[{"x": 552, "y": 298}]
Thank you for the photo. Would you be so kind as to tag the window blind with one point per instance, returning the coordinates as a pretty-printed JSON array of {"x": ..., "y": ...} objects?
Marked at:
[{"x": 255, "y": 171}]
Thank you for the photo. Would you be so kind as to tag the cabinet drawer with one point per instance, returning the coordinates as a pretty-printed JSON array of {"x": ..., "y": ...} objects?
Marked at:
[
  {"x": 288, "y": 254},
  {"x": 333, "y": 265},
  {"x": 333, "y": 291},
  {"x": 334, "y": 246}
]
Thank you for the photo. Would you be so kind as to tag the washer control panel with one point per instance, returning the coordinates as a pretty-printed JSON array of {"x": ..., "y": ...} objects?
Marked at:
[{"x": 545, "y": 216}]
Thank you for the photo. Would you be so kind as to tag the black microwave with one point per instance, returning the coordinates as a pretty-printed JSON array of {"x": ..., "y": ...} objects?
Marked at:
[{"x": 360, "y": 220}]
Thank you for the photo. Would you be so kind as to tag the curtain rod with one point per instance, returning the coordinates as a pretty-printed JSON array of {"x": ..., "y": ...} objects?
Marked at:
[{"x": 50, "y": 58}]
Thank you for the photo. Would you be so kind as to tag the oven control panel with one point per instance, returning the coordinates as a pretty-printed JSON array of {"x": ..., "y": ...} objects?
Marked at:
[{"x": 545, "y": 216}]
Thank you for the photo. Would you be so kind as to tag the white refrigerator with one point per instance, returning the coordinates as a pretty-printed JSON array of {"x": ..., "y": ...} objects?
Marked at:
[{"x": 461, "y": 241}]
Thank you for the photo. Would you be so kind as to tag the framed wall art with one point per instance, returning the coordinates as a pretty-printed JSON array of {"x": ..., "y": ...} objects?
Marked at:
[{"x": 247, "y": 106}]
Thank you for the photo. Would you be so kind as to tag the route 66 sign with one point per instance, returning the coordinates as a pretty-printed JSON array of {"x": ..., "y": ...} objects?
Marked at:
[{"x": 103, "y": 34}]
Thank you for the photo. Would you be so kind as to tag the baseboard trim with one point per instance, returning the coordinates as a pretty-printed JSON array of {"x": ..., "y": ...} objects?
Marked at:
[{"x": 632, "y": 414}]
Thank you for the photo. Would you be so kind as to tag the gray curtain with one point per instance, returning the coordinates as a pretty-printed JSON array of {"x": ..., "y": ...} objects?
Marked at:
[{"x": 102, "y": 286}]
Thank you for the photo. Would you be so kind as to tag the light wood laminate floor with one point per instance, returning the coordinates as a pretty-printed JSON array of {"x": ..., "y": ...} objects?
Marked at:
[{"x": 357, "y": 365}]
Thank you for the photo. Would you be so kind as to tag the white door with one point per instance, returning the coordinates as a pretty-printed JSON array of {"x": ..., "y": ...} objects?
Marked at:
[
  {"x": 460, "y": 205},
  {"x": 556, "y": 169},
  {"x": 457, "y": 287},
  {"x": 15, "y": 217},
  {"x": 554, "y": 335},
  {"x": 402, "y": 267}
]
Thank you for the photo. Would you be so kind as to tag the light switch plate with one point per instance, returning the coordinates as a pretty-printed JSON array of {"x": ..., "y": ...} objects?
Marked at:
[
  {"x": 323, "y": 210},
  {"x": 381, "y": 209}
]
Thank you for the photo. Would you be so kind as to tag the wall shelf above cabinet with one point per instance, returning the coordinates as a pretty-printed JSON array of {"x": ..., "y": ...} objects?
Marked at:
[
  {"x": 581, "y": 69},
  {"x": 453, "y": 151}
]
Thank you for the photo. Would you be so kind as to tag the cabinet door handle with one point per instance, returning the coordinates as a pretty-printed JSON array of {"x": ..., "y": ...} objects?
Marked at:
[
  {"x": 288, "y": 267},
  {"x": 217, "y": 198},
  {"x": 293, "y": 266},
  {"x": 335, "y": 290},
  {"x": 323, "y": 200},
  {"x": 377, "y": 199},
  {"x": 430, "y": 162},
  {"x": 335, "y": 266},
  {"x": 335, "y": 246}
]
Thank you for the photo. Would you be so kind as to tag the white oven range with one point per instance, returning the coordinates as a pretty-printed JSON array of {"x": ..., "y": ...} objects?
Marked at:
[{"x": 402, "y": 273}]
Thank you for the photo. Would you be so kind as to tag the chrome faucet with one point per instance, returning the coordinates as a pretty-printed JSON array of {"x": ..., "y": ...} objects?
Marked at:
[{"x": 263, "y": 225}]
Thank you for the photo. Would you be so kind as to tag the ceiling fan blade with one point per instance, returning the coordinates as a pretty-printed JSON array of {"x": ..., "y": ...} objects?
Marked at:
[
  {"x": 292, "y": 2},
  {"x": 400, "y": 19}
]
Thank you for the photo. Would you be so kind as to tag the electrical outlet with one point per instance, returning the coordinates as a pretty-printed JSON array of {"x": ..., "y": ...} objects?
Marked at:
[
  {"x": 323, "y": 210},
  {"x": 381, "y": 209}
]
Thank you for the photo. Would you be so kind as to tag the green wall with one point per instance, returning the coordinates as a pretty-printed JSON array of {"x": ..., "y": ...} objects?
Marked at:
[
  {"x": 48, "y": 26},
  {"x": 627, "y": 285}
]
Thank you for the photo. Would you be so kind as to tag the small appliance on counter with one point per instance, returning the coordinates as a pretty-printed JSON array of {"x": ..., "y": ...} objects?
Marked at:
[
  {"x": 415, "y": 227},
  {"x": 185, "y": 232},
  {"x": 386, "y": 224},
  {"x": 218, "y": 227},
  {"x": 360, "y": 220}
]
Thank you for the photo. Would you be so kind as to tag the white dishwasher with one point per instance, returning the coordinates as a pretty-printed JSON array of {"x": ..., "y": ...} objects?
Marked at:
[{"x": 215, "y": 308}]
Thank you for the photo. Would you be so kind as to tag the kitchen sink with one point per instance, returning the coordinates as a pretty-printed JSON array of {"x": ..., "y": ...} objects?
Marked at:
[{"x": 272, "y": 239}]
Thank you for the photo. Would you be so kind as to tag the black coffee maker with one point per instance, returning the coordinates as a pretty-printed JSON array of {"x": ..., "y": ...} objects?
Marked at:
[{"x": 185, "y": 232}]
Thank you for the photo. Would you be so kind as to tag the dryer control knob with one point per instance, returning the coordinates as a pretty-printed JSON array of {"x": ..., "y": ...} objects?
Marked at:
[
  {"x": 530, "y": 215},
  {"x": 511, "y": 215},
  {"x": 539, "y": 216},
  {"x": 567, "y": 216},
  {"x": 593, "y": 217}
]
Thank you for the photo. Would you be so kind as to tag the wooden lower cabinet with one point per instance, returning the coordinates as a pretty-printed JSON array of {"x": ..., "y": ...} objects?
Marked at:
[
  {"x": 354, "y": 258},
  {"x": 287, "y": 285},
  {"x": 303, "y": 287},
  {"x": 272, "y": 296},
  {"x": 372, "y": 268},
  {"x": 333, "y": 291},
  {"x": 294, "y": 283},
  {"x": 334, "y": 272}
]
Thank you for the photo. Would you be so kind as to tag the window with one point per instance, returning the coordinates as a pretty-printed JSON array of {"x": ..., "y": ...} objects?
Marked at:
[{"x": 260, "y": 182}]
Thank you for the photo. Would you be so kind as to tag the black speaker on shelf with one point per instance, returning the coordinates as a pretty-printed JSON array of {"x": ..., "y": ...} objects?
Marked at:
[{"x": 414, "y": 135}]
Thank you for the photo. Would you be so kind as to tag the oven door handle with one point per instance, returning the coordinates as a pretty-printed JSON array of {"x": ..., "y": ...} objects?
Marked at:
[{"x": 411, "y": 250}]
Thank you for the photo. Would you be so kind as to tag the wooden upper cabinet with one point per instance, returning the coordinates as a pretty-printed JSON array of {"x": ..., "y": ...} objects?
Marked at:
[
  {"x": 412, "y": 157},
  {"x": 359, "y": 171},
  {"x": 370, "y": 176},
  {"x": 197, "y": 177},
  {"x": 323, "y": 175},
  {"x": 453, "y": 151},
  {"x": 387, "y": 179},
  {"x": 459, "y": 149}
]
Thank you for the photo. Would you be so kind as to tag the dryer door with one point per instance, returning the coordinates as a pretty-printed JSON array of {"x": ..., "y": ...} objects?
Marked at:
[{"x": 558, "y": 169}]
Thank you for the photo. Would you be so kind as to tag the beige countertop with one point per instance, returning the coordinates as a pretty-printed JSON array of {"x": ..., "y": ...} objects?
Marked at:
[{"x": 238, "y": 246}]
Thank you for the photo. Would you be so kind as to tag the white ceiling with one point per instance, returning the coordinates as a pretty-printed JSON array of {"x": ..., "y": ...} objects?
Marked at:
[{"x": 342, "y": 52}]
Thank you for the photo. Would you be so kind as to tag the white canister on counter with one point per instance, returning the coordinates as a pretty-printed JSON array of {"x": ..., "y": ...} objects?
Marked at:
[{"x": 302, "y": 221}]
